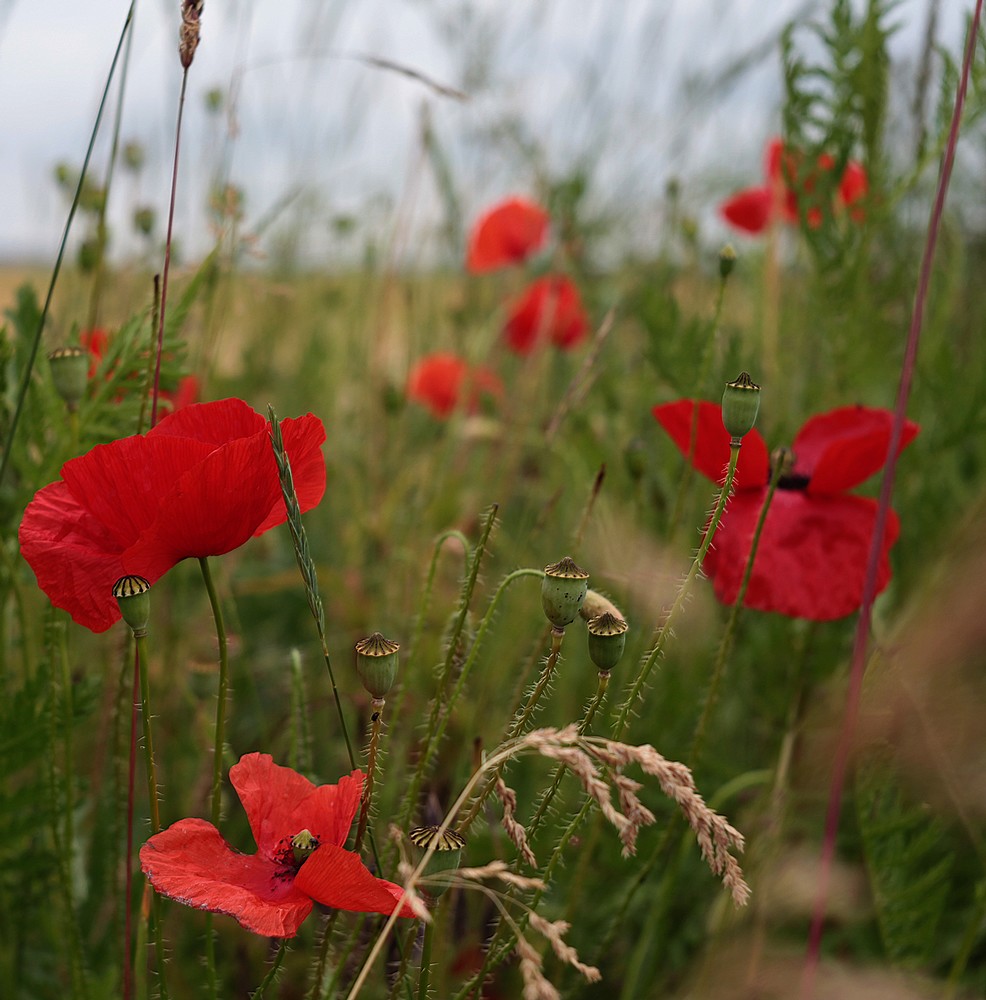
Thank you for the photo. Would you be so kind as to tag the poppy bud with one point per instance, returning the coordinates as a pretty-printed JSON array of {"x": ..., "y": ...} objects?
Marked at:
[
  {"x": 607, "y": 637},
  {"x": 133, "y": 156},
  {"x": 563, "y": 590},
  {"x": 727, "y": 261},
  {"x": 740, "y": 403},
  {"x": 133, "y": 594},
  {"x": 70, "y": 373},
  {"x": 448, "y": 852},
  {"x": 376, "y": 661},
  {"x": 144, "y": 219}
]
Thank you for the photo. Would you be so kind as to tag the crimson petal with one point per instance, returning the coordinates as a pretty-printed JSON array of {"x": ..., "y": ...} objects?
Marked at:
[
  {"x": 506, "y": 234},
  {"x": 279, "y": 802},
  {"x": 749, "y": 210},
  {"x": 840, "y": 449},
  {"x": 191, "y": 863},
  {"x": 812, "y": 556},
  {"x": 711, "y": 451},
  {"x": 338, "y": 878}
]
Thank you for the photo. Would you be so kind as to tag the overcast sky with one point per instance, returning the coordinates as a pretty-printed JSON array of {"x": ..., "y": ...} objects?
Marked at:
[{"x": 641, "y": 88}]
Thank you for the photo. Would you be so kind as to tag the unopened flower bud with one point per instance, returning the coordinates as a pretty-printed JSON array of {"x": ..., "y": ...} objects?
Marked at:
[
  {"x": 376, "y": 661},
  {"x": 727, "y": 261},
  {"x": 70, "y": 373},
  {"x": 144, "y": 219},
  {"x": 133, "y": 594},
  {"x": 607, "y": 638},
  {"x": 740, "y": 403},
  {"x": 133, "y": 156},
  {"x": 448, "y": 852},
  {"x": 563, "y": 590}
]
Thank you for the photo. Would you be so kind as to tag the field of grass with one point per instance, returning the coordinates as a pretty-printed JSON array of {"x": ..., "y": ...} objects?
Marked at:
[{"x": 841, "y": 813}]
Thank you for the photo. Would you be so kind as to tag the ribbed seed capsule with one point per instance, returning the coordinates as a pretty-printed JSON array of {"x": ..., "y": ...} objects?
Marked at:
[
  {"x": 448, "y": 852},
  {"x": 133, "y": 594},
  {"x": 563, "y": 590},
  {"x": 740, "y": 403},
  {"x": 376, "y": 661},
  {"x": 70, "y": 373},
  {"x": 607, "y": 638}
]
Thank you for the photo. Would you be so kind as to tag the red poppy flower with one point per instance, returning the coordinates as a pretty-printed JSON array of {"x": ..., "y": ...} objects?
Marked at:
[
  {"x": 550, "y": 308},
  {"x": 506, "y": 234},
  {"x": 815, "y": 541},
  {"x": 438, "y": 380},
  {"x": 186, "y": 393},
  {"x": 753, "y": 209},
  {"x": 300, "y": 830},
  {"x": 94, "y": 341},
  {"x": 201, "y": 483}
]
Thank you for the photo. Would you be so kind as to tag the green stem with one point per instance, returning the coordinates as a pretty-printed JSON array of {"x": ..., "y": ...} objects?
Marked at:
[
  {"x": 32, "y": 357},
  {"x": 218, "y": 747},
  {"x": 269, "y": 978},
  {"x": 371, "y": 770},
  {"x": 143, "y": 660},
  {"x": 426, "y": 959},
  {"x": 729, "y": 634},
  {"x": 517, "y": 726},
  {"x": 322, "y": 956},
  {"x": 622, "y": 721}
]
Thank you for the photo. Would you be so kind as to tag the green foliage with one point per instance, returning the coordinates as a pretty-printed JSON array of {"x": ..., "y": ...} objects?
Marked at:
[{"x": 909, "y": 860}]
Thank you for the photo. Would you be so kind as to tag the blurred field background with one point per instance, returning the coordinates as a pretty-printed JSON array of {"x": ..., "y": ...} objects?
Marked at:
[{"x": 324, "y": 206}]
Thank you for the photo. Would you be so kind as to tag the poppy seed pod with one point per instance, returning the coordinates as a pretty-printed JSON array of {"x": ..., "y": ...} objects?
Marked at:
[
  {"x": 376, "y": 661},
  {"x": 448, "y": 852},
  {"x": 607, "y": 637},
  {"x": 70, "y": 373},
  {"x": 563, "y": 590},
  {"x": 303, "y": 845},
  {"x": 727, "y": 261},
  {"x": 740, "y": 403},
  {"x": 133, "y": 594}
]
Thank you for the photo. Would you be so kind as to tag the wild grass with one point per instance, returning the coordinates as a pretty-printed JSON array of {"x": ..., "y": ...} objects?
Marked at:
[{"x": 435, "y": 532}]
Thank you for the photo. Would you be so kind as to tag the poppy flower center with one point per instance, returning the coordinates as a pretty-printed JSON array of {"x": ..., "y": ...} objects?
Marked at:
[
  {"x": 784, "y": 458},
  {"x": 293, "y": 852}
]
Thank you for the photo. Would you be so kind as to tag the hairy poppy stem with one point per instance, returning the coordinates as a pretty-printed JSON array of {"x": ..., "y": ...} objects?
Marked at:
[
  {"x": 860, "y": 641},
  {"x": 141, "y": 663},
  {"x": 425, "y": 974},
  {"x": 371, "y": 770},
  {"x": 622, "y": 721},
  {"x": 517, "y": 726},
  {"x": 729, "y": 633}
]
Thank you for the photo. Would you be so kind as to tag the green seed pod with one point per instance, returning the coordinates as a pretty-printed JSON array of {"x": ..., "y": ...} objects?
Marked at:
[
  {"x": 448, "y": 852},
  {"x": 563, "y": 591},
  {"x": 303, "y": 846},
  {"x": 133, "y": 594},
  {"x": 376, "y": 661},
  {"x": 144, "y": 220},
  {"x": 133, "y": 156},
  {"x": 70, "y": 373},
  {"x": 607, "y": 637},
  {"x": 727, "y": 261},
  {"x": 740, "y": 403}
]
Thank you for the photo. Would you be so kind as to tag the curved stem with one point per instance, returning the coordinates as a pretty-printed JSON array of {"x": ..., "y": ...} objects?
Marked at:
[{"x": 272, "y": 972}]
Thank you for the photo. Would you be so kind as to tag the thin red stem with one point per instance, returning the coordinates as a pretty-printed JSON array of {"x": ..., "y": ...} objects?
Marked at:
[
  {"x": 860, "y": 641},
  {"x": 167, "y": 253}
]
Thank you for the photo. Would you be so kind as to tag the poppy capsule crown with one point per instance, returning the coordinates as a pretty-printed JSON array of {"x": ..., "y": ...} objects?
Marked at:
[
  {"x": 376, "y": 662},
  {"x": 133, "y": 595},
  {"x": 563, "y": 590},
  {"x": 607, "y": 636},
  {"x": 740, "y": 405},
  {"x": 70, "y": 373}
]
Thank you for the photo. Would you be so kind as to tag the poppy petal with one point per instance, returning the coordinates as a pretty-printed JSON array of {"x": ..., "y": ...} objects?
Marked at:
[
  {"x": 812, "y": 556},
  {"x": 435, "y": 381},
  {"x": 191, "y": 863},
  {"x": 840, "y": 449},
  {"x": 550, "y": 308},
  {"x": 506, "y": 234},
  {"x": 749, "y": 210},
  {"x": 854, "y": 183},
  {"x": 279, "y": 802},
  {"x": 710, "y": 454},
  {"x": 215, "y": 423},
  {"x": 338, "y": 878}
]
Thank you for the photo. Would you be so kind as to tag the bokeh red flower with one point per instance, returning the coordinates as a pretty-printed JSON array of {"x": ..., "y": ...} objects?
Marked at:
[
  {"x": 813, "y": 550},
  {"x": 442, "y": 381},
  {"x": 201, "y": 483},
  {"x": 300, "y": 830},
  {"x": 753, "y": 209},
  {"x": 95, "y": 341},
  {"x": 549, "y": 309},
  {"x": 506, "y": 234}
]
